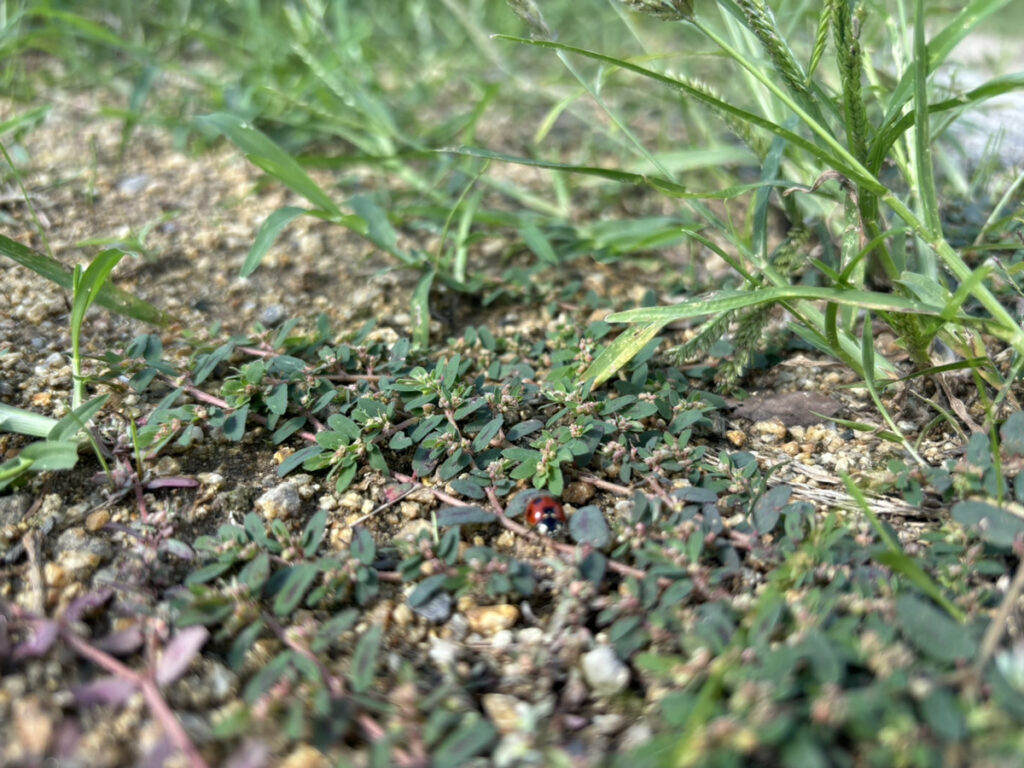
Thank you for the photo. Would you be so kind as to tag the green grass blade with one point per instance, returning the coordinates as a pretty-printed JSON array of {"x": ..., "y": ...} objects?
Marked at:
[
  {"x": 621, "y": 351},
  {"x": 732, "y": 300},
  {"x": 268, "y": 233},
  {"x": 419, "y": 309},
  {"x": 264, "y": 153},
  {"x": 88, "y": 287},
  {"x": 24, "y": 422},
  {"x": 922, "y": 129},
  {"x": 76, "y": 420},
  {"x": 109, "y": 296},
  {"x": 660, "y": 183},
  {"x": 892, "y": 130},
  {"x": 839, "y": 161},
  {"x": 895, "y": 558},
  {"x": 941, "y": 45}
]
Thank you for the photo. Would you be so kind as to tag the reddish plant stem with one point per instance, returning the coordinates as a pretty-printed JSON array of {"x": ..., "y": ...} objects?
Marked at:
[
  {"x": 606, "y": 485},
  {"x": 157, "y": 705},
  {"x": 334, "y": 683}
]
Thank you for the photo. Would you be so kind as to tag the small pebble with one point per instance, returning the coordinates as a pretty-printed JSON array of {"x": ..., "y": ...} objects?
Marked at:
[
  {"x": 502, "y": 710},
  {"x": 97, "y": 520},
  {"x": 604, "y": 672},
  {"x": 305, "y": 756},
  {"x": 280, "y": 502},
  {"x": 490, "y": 619},
  {"x": 33, "y": 725},
  {"x": 272, "y": 315},
  {"x": 437, "y": 609},
  {"x": 578, "y": 493}
]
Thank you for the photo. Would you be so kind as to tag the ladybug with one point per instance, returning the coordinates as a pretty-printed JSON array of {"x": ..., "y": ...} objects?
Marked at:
[{"x": 545, "y": 513}]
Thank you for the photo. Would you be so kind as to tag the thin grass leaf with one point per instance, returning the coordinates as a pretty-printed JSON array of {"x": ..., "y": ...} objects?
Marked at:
[
  {"x": 108, "y": 296},
  {"x": 895, "y": 558},
  {"x": 263, "y": 152},
  {"x": 269, "y": 230},
  {"x": 838, "y": 159},
  {"x": 724, "y": 301},
  {"x": 75, "y": 421},
  {"x": 892, "y": 130},
  {"x": 25, "y": 422},
  {"x": 940, "y": 46},
  {"x": 922, "y": 129},
  {"x": 621, "y": 351}
]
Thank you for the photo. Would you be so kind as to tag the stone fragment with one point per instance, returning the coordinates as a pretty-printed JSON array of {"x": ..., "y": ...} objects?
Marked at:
[
  {"x": 280, "y": 502},
  {"x": 97, "y": 520},
  {"x": 502, "y": 710},
  {"x": 603, "y": 672},
  {"x": 489, "y": 619}
]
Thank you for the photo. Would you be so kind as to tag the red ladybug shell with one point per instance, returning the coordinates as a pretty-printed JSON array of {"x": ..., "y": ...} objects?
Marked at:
[{"x": 545, "y": 512}]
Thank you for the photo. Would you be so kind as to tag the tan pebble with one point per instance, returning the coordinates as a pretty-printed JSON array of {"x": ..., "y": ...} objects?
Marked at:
[
  {"x": 790, "y": 448},
  {"x": 97, "y": 520},
  {"x": 737, "y": 437},
  {"x": 79, "y": 560},
  {"x": 503, "y": 711},
  {"x": 380, "y": 613},
  {"x": 214, "y": 480},
  {"x": 305, "y": 756},
  {"x": 402, "y": 616},
  {"x": 281, "y": 454},
  {"x": 340, "y": 537},
  {"x": 167, "y": 466},
  {"x": 773, "y": 428},
  {"x": 280, "y": 502},
  {"x": 489, "y": 619},
  {"x": 42, "y": 399},
  {"x": 351, "y": 502},
  {"x": 506, "y": 540},
  {"x": 409, "y": 510},
  {"x": 33, "y": 725},
  {"x": 55, "y": 575},
  {"x": 578, "y": 493}
]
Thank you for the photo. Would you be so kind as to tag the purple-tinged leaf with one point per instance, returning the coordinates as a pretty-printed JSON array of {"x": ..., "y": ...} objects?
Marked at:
[
  {"x": 178, "y": 548},
  {"x": 251, "y": 754},
  {"x": 158, "y": 755},
  {"x": 67, "y": 741},
  {"x": 44, "y": 632},
  {"x": 122, "y": 642},
  {"x": 105, "y": 691},
  {"x": 87, "y": 602},
  {"x": 172, "y": 482},
  {"x": 178, "y": 654},
  {"x": 469, "y": 515}
]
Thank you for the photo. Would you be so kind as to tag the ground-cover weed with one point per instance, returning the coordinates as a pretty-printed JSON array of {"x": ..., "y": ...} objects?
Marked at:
[{"x": 752, "y": 627}]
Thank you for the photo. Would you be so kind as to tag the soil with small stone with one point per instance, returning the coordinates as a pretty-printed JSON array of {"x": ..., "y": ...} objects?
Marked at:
[{"x": 64, "y": 534}]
